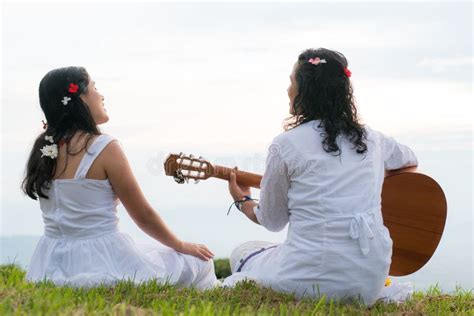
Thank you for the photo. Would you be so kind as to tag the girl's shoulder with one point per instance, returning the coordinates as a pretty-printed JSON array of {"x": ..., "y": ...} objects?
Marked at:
[
  {"x": 109, "y": 145},
  {"x": 106, "y": 151},
  {"x": 106, "y": 142}
]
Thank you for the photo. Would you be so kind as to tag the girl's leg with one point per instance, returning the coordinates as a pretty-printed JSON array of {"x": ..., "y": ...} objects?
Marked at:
[{"x": 240, "y": 254}]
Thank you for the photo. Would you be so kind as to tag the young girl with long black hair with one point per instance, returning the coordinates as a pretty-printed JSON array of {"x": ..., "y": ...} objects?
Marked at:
[{"x": 79, "y": 176}]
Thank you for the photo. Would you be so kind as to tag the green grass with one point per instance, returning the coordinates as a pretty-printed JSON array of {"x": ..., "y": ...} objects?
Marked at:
[
  {"x": 222, "y": 268},
  {"x": 19, "y": 297}
]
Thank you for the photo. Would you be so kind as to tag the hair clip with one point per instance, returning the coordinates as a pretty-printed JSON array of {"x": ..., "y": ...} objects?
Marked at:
[
  {"x": 73, "y": 88},
  {"x": 65, "y": 100},
  {"x": 347, "y": 72},
  {"x": 316, "y": 61},
  {"x": 49, "y": 139},
  {"x": 50, "y": 151}
]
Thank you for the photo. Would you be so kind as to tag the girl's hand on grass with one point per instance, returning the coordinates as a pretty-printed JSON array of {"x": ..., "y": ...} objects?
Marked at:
[{"x": 197, "y": 250}]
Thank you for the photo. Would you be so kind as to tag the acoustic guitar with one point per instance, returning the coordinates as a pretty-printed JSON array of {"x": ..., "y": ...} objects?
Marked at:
[{"x": 414, "y": 207}]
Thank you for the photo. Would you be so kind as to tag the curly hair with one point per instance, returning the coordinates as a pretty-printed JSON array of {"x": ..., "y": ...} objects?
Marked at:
[{"x": 325, "y": 93}]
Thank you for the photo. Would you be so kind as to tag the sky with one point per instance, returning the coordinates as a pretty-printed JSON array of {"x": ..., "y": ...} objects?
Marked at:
[{"x": 211, "y": 79}]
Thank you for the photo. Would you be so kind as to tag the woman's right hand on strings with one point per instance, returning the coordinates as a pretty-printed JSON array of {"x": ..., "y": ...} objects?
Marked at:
[{"x": 197, "y": 250}]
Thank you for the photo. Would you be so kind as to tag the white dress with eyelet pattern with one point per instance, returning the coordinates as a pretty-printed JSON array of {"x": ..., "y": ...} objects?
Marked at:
[
  {"x": 336, "y": 243},
  {"x": 82, "y": 245}
]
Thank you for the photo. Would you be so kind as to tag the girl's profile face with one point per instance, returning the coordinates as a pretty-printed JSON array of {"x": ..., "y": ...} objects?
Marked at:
[
  {"x": 292, "y": 89},
  {"x": 95, "y": 101}
]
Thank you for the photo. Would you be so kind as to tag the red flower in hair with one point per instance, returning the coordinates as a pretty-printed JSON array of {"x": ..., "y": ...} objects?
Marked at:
[
  {"x": 73, "y": 88},
  {"x": 347, "y": 72}
]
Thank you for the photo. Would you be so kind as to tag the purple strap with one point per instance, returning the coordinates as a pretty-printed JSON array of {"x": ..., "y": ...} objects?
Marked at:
[{"x": 253, "y": 254}]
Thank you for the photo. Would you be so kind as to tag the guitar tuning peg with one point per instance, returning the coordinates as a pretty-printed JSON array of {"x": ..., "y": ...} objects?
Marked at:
[
  {"x": 196, "y": 181},
  {"x": 178, "y": 177},
  {"x": 191, "y": 156},
  {"x": 181, "y": 154},
  {"x": 200, "y": 158}
]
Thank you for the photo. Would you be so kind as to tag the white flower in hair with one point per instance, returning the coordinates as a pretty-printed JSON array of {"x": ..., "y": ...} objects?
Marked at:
[
  {"x": 49, "y": 138},
  {"x": 50, "y": 151},
  {"x": 316, "y": 61},
  {"x": 65, "y": 100}
]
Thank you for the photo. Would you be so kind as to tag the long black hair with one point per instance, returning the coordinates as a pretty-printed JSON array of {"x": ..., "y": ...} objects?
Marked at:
[
  {"x": 63, "y": 121},
  {"x": 325, "y": 93}
]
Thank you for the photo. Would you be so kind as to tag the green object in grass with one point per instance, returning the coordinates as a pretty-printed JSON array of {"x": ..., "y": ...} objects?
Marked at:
[{"x": 222, "y": 268}]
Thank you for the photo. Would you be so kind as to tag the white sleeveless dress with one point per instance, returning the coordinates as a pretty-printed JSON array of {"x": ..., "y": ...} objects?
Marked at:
[{"x": 82, "y": 245}]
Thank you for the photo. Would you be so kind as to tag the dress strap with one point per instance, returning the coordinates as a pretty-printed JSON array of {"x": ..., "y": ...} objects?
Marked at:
[{"x": 91, "y": 154}]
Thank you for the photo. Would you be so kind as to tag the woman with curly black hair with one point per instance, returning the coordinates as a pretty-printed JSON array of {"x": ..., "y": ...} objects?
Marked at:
[{"x": 324, "y": 177}]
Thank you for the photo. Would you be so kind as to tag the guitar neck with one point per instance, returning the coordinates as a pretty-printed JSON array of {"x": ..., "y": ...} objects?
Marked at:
[
  {"x": 243, "y": 178},
  {"x": 253, "y": 180}
]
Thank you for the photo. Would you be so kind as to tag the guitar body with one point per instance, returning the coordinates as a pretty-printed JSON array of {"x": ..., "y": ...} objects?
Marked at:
[
  {"x": 414, "y": 210},
  {"x": 413, "y": 207}
]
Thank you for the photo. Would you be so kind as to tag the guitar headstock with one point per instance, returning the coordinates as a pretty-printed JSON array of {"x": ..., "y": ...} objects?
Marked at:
[{"x": 184, "y": 167}]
